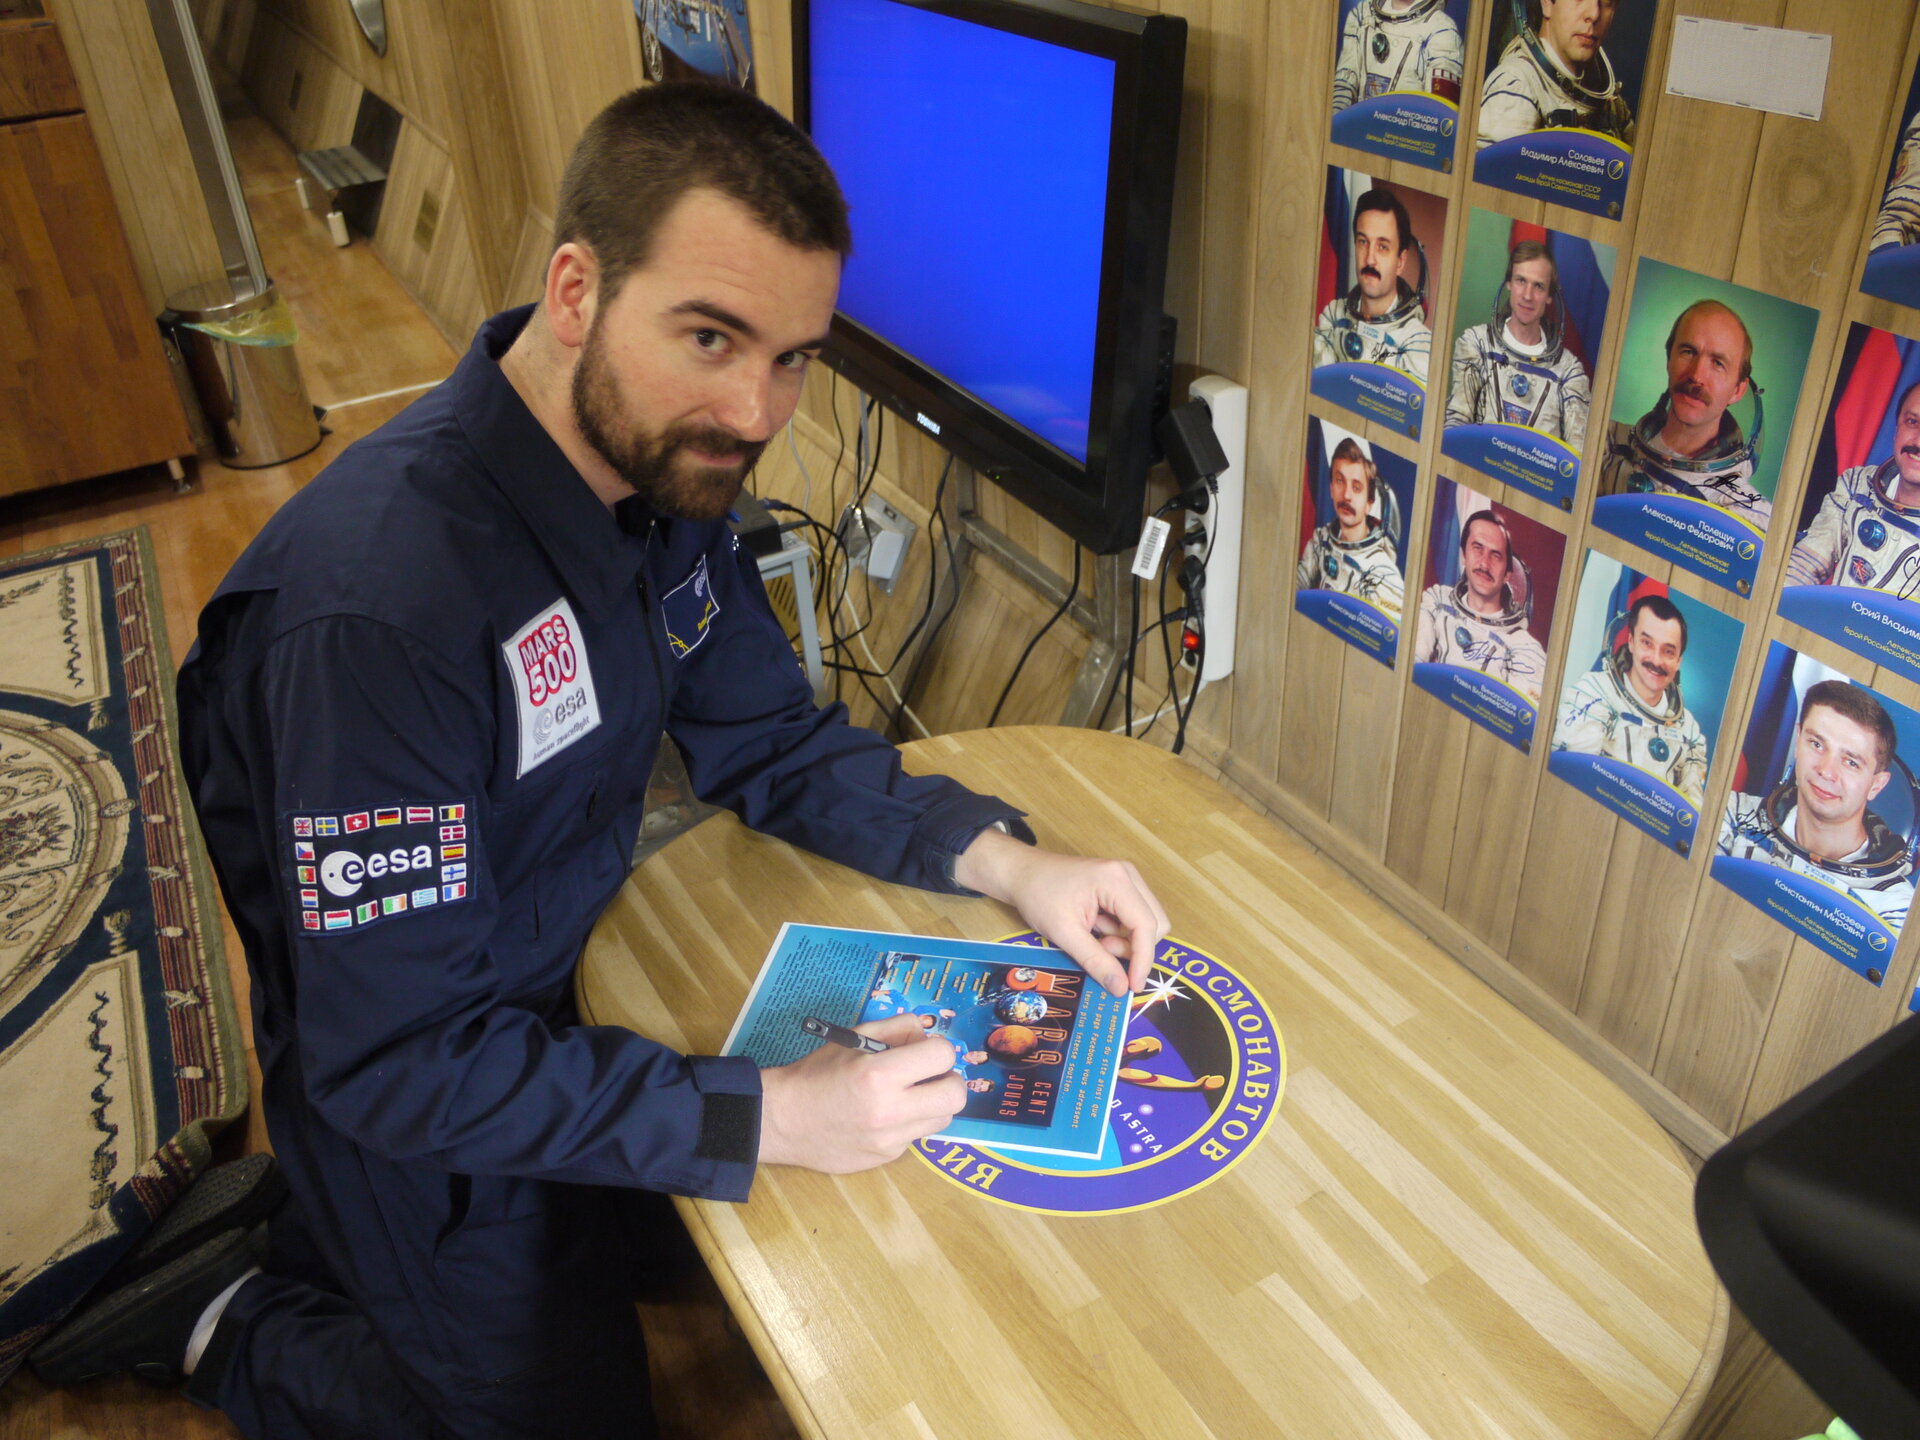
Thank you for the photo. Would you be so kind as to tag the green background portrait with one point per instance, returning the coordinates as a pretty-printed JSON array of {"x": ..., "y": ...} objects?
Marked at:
[
  {"x": 1782, "y": 340},
  {"x": 1484, "y": 271}
]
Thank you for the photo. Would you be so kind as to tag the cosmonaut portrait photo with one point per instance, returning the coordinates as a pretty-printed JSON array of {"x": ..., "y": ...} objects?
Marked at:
[
  {"x": 1485, "y": 619},
  {"x": 1641, "y": 698},
  {"x": 1397, "y": 71},
  {"x": 1556, "y": 116},
  {"x": 1853, "y": 574},
  {"x": 1819, "y": 824},
  {"x": 1893, "y": 245},
  {"x": 1528, "y": 326},
  {"x": 1709, "y": 378},
  {"x": 1355, "y": 501},
  {"x": 1380, "y": 259}
]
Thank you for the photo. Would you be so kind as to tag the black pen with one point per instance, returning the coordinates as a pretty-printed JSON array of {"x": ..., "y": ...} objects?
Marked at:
[{"x": 840, "y": 1035}]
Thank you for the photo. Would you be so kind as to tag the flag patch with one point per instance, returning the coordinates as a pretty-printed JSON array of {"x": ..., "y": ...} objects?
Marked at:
[{"x": 374, "y": 864}]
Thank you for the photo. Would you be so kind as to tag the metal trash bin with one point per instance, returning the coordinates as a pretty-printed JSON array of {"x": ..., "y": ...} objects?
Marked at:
[{"x": 239, "y": 352}]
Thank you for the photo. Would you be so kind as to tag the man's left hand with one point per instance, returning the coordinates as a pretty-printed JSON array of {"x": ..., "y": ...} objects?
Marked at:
[{"x": 1099, "y": 912}]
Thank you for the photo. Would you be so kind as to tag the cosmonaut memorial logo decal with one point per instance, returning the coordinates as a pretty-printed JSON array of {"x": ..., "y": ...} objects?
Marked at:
[{"x": 1201, "y": 1076}]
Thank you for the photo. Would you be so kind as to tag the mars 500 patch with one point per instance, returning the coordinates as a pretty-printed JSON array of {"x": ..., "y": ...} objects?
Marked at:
[
  {"x": 552, "y": 683},
  {"x": 351, "y": 868}
]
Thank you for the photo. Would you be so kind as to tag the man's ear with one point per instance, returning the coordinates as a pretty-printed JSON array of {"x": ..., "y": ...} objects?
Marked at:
[
  {"x": 572, "y": 294},
  {"x": 1879, "y": 783}
]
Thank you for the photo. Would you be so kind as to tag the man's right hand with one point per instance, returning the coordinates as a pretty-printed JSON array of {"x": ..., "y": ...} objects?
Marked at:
[{"x": 841, "y": 1110}]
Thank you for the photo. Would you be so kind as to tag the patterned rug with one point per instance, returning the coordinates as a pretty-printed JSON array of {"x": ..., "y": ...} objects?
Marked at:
[{"x": 120, "y": 1054}]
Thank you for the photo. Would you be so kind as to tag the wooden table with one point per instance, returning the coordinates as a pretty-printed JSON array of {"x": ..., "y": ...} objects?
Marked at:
[{"x": 1453, "y": 1227}]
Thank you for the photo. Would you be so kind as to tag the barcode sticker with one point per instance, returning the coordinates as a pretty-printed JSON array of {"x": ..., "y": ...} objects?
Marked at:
[{"x": 1153, "y": 542}]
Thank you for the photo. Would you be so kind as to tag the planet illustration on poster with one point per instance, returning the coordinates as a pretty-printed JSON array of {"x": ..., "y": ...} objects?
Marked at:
[{"x": 1021, "y": 1007}]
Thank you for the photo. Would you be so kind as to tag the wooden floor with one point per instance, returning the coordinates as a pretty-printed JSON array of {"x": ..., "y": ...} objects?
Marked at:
[{"x": 361, "y": 335}]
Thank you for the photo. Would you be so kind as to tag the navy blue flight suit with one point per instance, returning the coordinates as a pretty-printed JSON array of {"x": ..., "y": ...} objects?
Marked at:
[{"x": 418, "y": 725}]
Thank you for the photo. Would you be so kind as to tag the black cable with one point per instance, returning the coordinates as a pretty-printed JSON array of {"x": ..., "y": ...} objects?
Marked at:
[
  {"x": 953, "y": 603},
  {"x": 1133, "y": 651},
  {"x": 1073, "y": 592},
  {"x": 933, "y": 568},
  {"x": 1183, "y": 716},
  {"x": 1166, "y": 651}
]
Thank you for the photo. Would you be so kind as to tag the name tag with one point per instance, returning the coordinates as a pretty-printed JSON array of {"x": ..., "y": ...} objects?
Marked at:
[{"x": 553, "y": 685}]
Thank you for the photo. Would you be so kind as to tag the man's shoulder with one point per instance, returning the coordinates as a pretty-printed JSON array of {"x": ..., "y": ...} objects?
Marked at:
[{"x": 402, "y": 529}]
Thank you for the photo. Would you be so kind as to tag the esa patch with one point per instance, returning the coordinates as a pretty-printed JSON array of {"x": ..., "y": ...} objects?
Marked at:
[
  {"x": 553, "y": 685},
  {"x": 355, "y": 875},
  {"x": 689, "y": 610}
]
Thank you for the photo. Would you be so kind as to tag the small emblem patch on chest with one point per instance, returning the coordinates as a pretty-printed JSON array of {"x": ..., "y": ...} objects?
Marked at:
[
  {"x": 552, "y": 685},
  {"x": 690, "y": 611}
]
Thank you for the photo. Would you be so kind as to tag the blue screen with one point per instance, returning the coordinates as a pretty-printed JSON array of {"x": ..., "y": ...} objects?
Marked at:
[{"x": 975, "y": 163}]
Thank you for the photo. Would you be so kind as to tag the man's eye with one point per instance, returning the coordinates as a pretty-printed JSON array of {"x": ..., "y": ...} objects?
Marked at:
[
  {"x": 710, "y": 339},
  {"x": 793, "y": 360}
]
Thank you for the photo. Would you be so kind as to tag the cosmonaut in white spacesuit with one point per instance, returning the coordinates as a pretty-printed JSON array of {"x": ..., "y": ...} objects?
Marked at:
[
  {"x": 1898, "y": 222},
  {"x": 1381, "y": 320},
  {"x": 1630, "y": 708},
  {"x": 1688, "y": 444},
  {"x": 1556, "y": 75},
  {"x": 1481, "y": 623},
  {"x": 1354, "y": 553},
  {"x": 1816, "y": 820},
  {"x": 1514, "y": 370},
  {"x": 1866, "y": 533},
  {"x": 1397, "y": 45}
]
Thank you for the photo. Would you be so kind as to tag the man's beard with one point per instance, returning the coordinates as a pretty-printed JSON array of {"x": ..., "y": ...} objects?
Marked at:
[{"x": 655, "y": 465}]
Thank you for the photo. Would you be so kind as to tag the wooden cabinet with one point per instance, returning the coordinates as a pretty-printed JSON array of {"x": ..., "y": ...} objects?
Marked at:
[{"x": 84, "y": 384}]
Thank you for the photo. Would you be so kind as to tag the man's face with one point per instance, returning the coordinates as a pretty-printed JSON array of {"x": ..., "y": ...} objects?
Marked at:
[
  {"x": 1376, "y": 253},
  {"x": 1656, "y": 648},
  {"x": 1906, "y": 441},
  {"x": 1484, "y": 557},
  {"x": 1576, "y": 28},
  {"x": 1529, "y": 289},
  {"x": 698, "y": 360},
  {"x": 1836, "y": 766},
  {"x": 1349, "y": 488},
  {"x": 1703, "y": 368}
]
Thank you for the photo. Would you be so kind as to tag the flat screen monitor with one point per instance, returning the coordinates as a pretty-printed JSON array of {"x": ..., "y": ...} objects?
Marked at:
[{"x": 1009, "y": 165}]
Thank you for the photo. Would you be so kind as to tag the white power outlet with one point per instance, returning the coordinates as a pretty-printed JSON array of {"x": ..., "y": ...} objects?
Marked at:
[
  {"x": 876, "y": 537},
  {"x": 1226, "y": 403}
]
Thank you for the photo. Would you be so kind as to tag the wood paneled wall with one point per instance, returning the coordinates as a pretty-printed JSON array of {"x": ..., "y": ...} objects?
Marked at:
[
  {"x": 1714, "y": 1013},
  {"x": 446, "y": 70},
  {"x": 123, "y": 83}
]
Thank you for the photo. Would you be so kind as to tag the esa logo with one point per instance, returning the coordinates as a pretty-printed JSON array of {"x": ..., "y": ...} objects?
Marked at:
[{"x": 343, "y": 872}]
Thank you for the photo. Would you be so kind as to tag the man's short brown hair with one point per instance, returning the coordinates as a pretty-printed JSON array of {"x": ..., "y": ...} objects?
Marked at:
[{"x": 647, "y": 149}]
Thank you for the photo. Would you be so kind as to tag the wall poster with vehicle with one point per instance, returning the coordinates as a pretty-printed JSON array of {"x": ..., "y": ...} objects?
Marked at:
[{"x": 696, "y": 40}]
